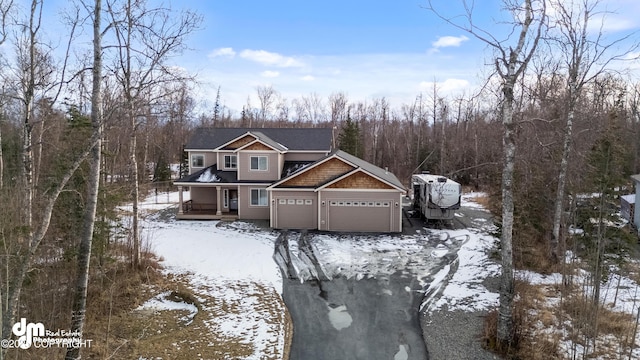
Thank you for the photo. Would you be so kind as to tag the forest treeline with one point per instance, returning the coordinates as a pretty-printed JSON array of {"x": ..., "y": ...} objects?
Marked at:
[{"x": 78, "y": 124}]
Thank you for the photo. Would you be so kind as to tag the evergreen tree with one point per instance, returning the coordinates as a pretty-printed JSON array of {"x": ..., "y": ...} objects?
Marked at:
[
  {"x": 162, "y": 171},
  {"x": 184, "y": 164},
  {"x": 608, "y": 171},
  {"x": 350, "y": 139}
]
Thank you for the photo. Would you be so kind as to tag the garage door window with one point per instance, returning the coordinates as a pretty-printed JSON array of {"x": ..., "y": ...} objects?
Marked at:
[
  {"x": 359, "y": 203},
  {"x": 259, "y": 197}
]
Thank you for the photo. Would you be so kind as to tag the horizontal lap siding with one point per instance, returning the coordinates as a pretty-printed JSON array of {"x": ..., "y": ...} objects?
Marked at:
[
  {"x": 203, "y": 195},
  {"x": 209, "y": 159},
  {"x": 244, "y": 166},
  {"x": 311, "y": 156},
  {"x": 245, "y": 210}
]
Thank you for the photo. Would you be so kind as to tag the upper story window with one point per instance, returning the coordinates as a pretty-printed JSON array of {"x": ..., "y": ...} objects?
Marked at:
[
  {"x": 230, "y": 161},
  {"x": 197, "y": 160},
  {"x": 259, "y": 163}
]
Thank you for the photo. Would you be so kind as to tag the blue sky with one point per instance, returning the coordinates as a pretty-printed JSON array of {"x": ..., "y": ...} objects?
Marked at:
[
  {"x": 365, "y": 49},
  {"x": 395, "y": 49}
]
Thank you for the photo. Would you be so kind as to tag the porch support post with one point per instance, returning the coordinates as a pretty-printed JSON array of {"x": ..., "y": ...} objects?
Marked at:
[
  {"x": 219, "y": 200},
  {"x": 181, "y": 202}
]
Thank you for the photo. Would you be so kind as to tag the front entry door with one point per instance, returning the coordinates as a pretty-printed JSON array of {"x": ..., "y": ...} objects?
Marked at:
[{"x": 233, "y": 200}]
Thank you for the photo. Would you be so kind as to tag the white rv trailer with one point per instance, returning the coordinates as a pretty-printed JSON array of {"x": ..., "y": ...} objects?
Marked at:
[{"x": 435, "y": 197}]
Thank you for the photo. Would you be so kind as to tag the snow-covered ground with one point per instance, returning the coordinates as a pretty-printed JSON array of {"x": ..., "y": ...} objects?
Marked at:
[
  {"x": 618, "y": 294},
  {"x": 230, "y": 270},
  {"x": 462, "y": 255},
  {"x": 234, "y": 263}
]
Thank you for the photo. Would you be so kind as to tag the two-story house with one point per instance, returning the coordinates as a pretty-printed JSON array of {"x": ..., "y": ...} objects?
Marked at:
[{"x": 290, "y": 177}]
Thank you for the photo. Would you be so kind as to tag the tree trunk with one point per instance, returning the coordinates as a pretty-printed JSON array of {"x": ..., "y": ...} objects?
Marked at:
[
  {"x": 1, "y": 159},
  {"x": 93, "y": 187},
  {"x": 562, "y": 176},
  {"x": 135, "y": 236},
  {"x": 26, "y": 180},
  {"x": 133, "y": 140},
  {"x": 507, "y": 290},
  {"x": 38, "y": 154},
  {"x": 33, "y": 242}
]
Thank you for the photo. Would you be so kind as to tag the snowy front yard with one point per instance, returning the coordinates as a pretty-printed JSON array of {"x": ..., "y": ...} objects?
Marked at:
[
  {"x": 238, "y": 310},
  {"x": 228, "y": 269}
]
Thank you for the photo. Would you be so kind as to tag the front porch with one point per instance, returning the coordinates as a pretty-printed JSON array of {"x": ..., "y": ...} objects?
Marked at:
[
  {"x": 208, "y": 203},
  {"x": 192, "y": 211}
]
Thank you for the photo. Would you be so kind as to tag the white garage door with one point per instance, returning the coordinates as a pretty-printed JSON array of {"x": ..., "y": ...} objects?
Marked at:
[{"x": 360, "y": 215}]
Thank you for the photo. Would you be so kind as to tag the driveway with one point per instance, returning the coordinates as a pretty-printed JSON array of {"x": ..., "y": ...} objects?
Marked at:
[{"x": 365, "y": 304}]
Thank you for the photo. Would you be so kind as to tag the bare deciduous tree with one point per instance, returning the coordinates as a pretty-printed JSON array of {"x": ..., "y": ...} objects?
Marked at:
[
  {"x": 146, "y": 38},
  {"x": 511, "y": 63},
  {"x": 266, "y": 95},
  {"x": 585, "y": 57},
  {"x": 5, "y": 8},
  {"x": 93, "y": 186}
]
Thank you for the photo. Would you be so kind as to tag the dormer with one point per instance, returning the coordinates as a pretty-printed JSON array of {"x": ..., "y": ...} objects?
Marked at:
[{"x": 258, "y": 157}]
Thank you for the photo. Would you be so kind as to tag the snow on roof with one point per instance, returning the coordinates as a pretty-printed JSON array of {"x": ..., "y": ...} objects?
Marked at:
[
  {"x": 631, "y": 198},
  {"x": 208, "y": 176},
  {"x": 295, "y": 168}
]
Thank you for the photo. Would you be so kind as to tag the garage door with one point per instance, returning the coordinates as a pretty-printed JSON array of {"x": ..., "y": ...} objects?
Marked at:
[
  {"x": 295, "y": 213},
  {"x": 360, "y": 215}
]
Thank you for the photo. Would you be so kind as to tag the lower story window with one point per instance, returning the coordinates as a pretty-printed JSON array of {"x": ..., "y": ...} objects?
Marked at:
[{"x": 259, "y": 197}]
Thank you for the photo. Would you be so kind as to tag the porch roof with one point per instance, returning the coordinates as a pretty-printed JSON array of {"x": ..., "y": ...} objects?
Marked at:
[{"x": 211, "y": 175}]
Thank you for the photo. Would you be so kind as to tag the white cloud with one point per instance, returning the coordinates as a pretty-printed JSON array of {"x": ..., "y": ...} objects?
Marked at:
[
  {"x": 611, "y": 23},
  {"x": 606, "y": 16},
  {"x": 362, "y": 76},
  {"x": 634, "y": 56},
  {"x": 222, "y": 52},
  {"x": 270, "y": 74},
  {"x": 268, "y": 58},
  {"x": 449, "y": 41}
]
